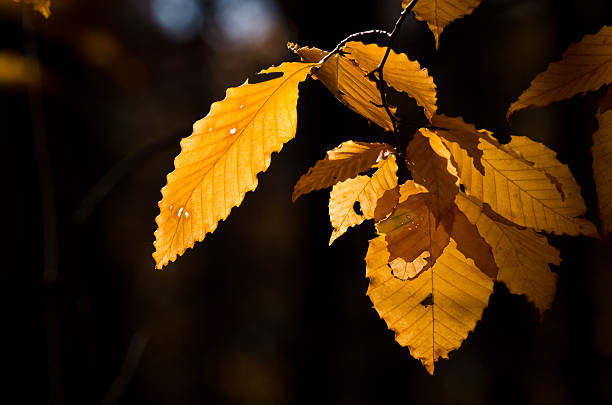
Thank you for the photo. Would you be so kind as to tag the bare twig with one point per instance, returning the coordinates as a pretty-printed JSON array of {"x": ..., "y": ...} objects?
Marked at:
[{"x": 350, "y": 38}]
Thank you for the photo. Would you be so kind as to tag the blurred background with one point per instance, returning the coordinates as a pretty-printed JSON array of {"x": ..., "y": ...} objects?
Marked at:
[{"x": 93, "y": 103}]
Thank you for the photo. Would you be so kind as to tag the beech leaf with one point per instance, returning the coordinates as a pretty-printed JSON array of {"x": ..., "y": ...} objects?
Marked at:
[
  {"x": 365, "y": 190},
  {"x": 520, "y": 190},
  {"x": 584, "y": 66},
  {"x": 220, "y": 161},
  {"x": 439, "y": 13},
  {"x": 522, "y": 255},
  {"x": 602, "y": 164},
  {"x": 341, "y": 163},
  {"x": 433, "y": 313},
  {"x": 399, "y": 72},
  {"x": 349, "y": 83},
  {"x": 42, "y": 6}
]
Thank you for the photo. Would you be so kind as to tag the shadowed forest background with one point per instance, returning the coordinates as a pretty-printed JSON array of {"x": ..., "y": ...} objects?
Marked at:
[{"x": 263, "y": 311}]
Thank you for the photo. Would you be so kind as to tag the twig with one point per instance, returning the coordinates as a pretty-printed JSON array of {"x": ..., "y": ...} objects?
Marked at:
[
  {"x": 350, "y": 38},
  {"x": 132, "y": 358}
]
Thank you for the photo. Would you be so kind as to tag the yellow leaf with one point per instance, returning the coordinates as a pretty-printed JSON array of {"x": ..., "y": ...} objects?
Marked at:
[
  {"x": 522, "y": 255},
  {"x": 42, "y": 6},
  {"x": 344, "y": 162},
  {"x": 602, "y": 164},
  {"x": 439, "y": 13},
  {"x": 399, "y": 72},
  {"x": 365, "y": 190},
  {"x": 412, "y": 229},
  {"x": 16, "y": 70},
  {"x": 404, "y": 270},
  {"x": 519, "y": 190},
  {"x": 584, "y": 66},
  {"x": 433, "y": 313},
  {"x": 349, "y": 83},
  {"x": 429, "y": 163},
  {"x": 220, "y": 161}
]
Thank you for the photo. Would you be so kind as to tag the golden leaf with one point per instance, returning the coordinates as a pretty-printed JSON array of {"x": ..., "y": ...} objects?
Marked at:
[
  {"x": 412, "y": 229},
  {"x": 42, "y": 6},
  {"x": 349, "y": 83},
  {"x": 365, "y": 190},
  {"x": 522, "y": 255},
  {"x": 433, "y": 313},
  {"x": 220, "y": 161},
  {"x": 341, "y": 163},
  {"x": 520, "y": 190},
  {"x": 602, "y": 164},
  {"x": 429, "y": 163},
  {"x": 16, "y": 70},
  {"x": 584, "y": 66},
  {"x": 399, "y": 72},
  {"x": 439, "y": 13}
]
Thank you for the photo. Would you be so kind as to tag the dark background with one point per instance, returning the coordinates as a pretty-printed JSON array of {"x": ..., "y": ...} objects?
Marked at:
[{"x": 263, "y": 311}]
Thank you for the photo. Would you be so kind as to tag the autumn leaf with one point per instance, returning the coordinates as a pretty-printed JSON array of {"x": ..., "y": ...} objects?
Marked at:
[
  {"x": 399, "y": 72},
  {"x": 220, "y": 161},
  {"x": 439, "y": 13},
  {"x": 520, "y": 190},
  {"x": 522, "y": 255},
  {"x": 584, "y": 66},
  {"x": 412, "y": 229},
  {"x": 42, "y": 6},
  {"x": 602, "y": 164},
  {"x": 366, "y": 191},
  {"x": 433, "y": 313},
  {"x": 349, "y": 83},
  {"x": 18, "y": 71},
  {"x": 341, "y": 163},
  {"x": 429, "y": 163}
]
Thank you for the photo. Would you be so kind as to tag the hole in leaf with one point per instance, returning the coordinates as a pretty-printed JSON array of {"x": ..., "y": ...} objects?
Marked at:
[
  {"x": 357, "y": 208},
  {"x": 462, "y": 188},
  {"x": 262, "y": 77},
  {"x": 428, "y": 300}
]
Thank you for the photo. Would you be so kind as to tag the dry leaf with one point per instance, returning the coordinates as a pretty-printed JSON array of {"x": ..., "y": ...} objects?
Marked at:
[
  {"x": 523, "y": 256},
  {"x": 429, "y": 163},
  {"x": 412, "y": 229},
  {"x": 399, "y": 72},
  {"x": 365, "y": 190},
  {"x": 584, "y": 66},
  {"x": 349, "y": 83},
  {"x": 433, "y": 313},
  {"x": 519, "y": 190},
  {"x": 220, "y": 161},
  {"x": 439, "y": 13},
  {"x": 42, "y": 6},
  {"x": 341, "y": 163},
  {"x": 602, "y": 164}
]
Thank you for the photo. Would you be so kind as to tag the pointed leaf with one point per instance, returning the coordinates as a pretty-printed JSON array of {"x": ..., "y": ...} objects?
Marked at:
[
  {"x": 439, "y": 13},
  {"x": 42, "y": 6},
  {"x": 602, "y": 164},
  {"x": 344, "y": 162},
  {"x": 584, "y": 66},
  {"x": 523, "y": 256},
  {"x": 519, "y": 190},
  {"x": 399, "y": 72},
  {"x": 220, "y": 161},
  {"x": 349, "y": 83},
  {"x": 429, "y": 162},
  {"x": 433, "y": 313},
  {"x": 365, "y": 190}
]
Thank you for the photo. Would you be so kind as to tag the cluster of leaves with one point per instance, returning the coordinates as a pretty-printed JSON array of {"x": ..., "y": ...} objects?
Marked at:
[{"x": 471, "y": 214}]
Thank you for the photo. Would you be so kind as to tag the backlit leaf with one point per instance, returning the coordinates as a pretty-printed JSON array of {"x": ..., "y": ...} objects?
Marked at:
[
  {"x": 366, "y": 191},
  {"x": 439, "y": 13},
  {"x": 522, "y": 255},
  {"x": 429, "y": 163},
  {"x": 584, "y": 66},
  {"x": 602, "y": 163},
  {"x": 349, "y": 83},
  {"x": 433, "y": 313},
  {"x": 220, "y": 161},
  {"x": 399, "y": 72},
  {"x": 341, "y": 163},
  {"x": 519, "y": 190}
]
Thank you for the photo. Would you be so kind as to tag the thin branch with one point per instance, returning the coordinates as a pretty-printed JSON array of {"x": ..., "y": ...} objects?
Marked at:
[{"x": 351, "y": 37}]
